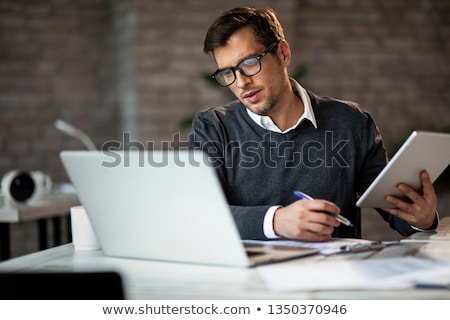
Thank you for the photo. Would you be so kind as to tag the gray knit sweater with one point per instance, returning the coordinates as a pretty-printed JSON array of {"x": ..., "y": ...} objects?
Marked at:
[{"x": 259, "y": 168}]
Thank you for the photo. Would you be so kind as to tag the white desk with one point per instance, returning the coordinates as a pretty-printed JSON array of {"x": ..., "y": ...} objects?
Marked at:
[{"x": 168, "y": 281}]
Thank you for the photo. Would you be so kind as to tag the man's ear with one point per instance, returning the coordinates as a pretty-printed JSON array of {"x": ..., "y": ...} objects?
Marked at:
[{"x": 284, "y": 52}]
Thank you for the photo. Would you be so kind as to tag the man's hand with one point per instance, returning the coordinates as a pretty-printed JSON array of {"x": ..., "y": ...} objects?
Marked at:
[
  {"x": 421, "y": 211},
  {"x": 306, "y": 220}
]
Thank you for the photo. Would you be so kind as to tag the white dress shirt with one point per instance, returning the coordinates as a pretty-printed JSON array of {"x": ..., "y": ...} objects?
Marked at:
[{"x": 267, "y": 123}]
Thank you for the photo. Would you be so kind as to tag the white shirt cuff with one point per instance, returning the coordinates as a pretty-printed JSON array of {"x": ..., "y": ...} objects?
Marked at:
[
  {"x": 268, "y": 223},
  {"x": 429, "y": 230}
]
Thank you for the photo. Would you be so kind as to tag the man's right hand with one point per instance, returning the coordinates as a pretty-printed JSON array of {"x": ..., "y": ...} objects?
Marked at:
[{"x": 310, "y": 220}]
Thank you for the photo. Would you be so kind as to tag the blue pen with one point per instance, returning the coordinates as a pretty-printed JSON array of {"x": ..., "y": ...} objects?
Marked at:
[
  {"x": 426, "y": 285},
  {"x": 340, "y": 218}
]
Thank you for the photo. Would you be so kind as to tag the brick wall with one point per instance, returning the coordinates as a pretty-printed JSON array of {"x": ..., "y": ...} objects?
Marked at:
[
  {"x": 136, "y": 66},
  {"x": 53, "y": 64},
  {"x": 390, "y": 56}
]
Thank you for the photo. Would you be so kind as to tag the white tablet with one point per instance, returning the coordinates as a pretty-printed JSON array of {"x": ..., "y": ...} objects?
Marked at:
[{"x": 422, "y": 150}]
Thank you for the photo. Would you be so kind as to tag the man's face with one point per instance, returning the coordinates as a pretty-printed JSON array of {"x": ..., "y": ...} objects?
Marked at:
[{"x": 261, "y": 92}]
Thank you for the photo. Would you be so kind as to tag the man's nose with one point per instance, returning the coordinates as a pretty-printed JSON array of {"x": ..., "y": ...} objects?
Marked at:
[{"x": 242, "y": 80}]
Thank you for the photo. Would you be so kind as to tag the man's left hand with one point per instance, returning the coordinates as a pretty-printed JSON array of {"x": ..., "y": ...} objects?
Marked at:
[{"x": 421, "y": 211}]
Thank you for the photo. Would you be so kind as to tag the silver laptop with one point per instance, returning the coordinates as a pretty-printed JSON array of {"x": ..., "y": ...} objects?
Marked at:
[{"x": 163, "y": 205}]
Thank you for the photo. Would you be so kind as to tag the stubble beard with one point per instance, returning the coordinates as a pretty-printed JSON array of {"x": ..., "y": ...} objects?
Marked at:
[{"x": 265, "y": 109}]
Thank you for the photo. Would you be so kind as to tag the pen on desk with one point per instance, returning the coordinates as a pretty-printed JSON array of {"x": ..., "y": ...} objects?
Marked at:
[
  {"x": 426, "y": 285},
  {"x": 372, "y": 245},
  {"x": 363, "y": 247},
  {"x": 340, "y": 218}
]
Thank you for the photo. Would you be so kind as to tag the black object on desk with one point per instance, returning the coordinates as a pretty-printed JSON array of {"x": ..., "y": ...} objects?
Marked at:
[{"x": 61, "y": 286}]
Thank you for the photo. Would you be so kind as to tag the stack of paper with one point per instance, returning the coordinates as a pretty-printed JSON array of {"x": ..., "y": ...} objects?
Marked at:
[{"x": 373, "y": 274}]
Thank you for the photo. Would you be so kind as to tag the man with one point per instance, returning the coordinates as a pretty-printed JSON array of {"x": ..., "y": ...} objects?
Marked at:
[{"x": 277, "y": 138}]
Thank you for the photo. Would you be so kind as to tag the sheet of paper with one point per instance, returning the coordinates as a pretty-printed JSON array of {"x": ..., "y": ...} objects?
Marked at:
[
  {"x": 326, "y": 247},
  {"x": 389, "y": 273}
]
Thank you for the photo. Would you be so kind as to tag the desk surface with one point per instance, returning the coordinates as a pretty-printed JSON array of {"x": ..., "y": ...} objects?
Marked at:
[
  {"x": 145, "y": 279},
  {"x": 51, "y": 205}
]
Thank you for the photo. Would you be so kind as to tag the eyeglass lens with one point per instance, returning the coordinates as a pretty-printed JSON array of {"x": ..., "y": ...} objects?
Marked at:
[{"x": 247, "y": 67}]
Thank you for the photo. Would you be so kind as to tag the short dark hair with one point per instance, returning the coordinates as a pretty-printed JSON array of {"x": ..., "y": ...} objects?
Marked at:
[{"x": 264, "y": 23}]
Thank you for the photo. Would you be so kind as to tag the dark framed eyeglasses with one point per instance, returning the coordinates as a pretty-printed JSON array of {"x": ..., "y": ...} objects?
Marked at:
[{"x": 247, "y": 67}]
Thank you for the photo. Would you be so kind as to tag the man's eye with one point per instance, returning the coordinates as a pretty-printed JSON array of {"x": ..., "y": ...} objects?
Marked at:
[
  {"x": 249, "y": 62},
  {"x": 227, "y": 73}
]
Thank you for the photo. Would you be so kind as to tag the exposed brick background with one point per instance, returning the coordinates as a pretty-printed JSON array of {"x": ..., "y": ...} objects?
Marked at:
[
  {"x": 136, "y": 66},
  {"x": 110, "y": 66},
  {"x": 54, "y": 63}
]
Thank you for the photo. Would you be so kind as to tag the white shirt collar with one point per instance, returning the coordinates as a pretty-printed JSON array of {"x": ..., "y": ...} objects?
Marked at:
[{"x": 308, "y": 114}]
